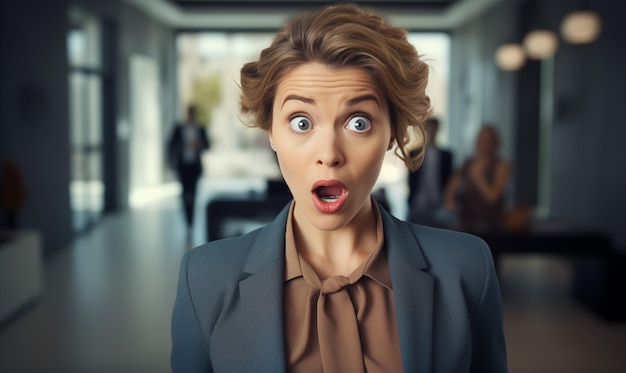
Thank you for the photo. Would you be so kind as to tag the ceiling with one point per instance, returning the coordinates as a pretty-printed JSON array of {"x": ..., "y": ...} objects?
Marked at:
[
  {"x": 234, "y": 4},
  {"x": 270, "y": 15}
]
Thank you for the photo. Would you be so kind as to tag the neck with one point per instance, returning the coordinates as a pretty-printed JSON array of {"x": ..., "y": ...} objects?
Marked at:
[{"x": 338, "y": 252}]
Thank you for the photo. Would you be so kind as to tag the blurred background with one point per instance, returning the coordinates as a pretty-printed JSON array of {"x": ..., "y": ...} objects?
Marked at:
[{"x": 91, "y": 227}]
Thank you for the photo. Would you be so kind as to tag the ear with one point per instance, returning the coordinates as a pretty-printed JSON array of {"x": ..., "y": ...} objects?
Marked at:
[{"x": 271, "y": 138}]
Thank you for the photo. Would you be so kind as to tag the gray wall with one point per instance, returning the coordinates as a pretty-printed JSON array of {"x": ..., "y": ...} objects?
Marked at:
[
  {"x": 480, "y": 92},
  {"x": 34, "y": 127},
  {"x": 588, "y": 175}
]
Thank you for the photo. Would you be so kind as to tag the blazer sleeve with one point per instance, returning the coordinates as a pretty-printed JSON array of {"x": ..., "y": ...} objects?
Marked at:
[
  {"x": 190, "y": 347},
  {"x": 488, "y": 345}
]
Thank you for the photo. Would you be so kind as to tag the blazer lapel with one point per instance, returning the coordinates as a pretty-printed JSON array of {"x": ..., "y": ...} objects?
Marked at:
[
  {"x": 413, "y": 291},
  {"x": 260, "y": 311},
  {"x": 259, "y": 315}
]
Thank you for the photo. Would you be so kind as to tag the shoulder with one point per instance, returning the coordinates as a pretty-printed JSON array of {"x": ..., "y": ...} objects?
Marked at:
[
  {"x": 221, "y": 258},
  {"x": 228, "y": 260},
  {"x": 210, "y": 274},
  {"x": 176, "y": 131},
  {"x": 435, "y": 249},
  {"x": 461, "y": 262},
  {"x": 451, "y": 256},
  {"x": 445, "y": 246}
]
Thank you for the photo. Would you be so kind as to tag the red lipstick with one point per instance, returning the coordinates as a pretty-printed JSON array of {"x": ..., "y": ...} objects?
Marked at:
[{"x": 329, "y": 196}]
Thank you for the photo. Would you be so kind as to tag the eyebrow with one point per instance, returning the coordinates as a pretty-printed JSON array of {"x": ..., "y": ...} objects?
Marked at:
[
  {"x": 298, "y": 98},
  {"x": 351, "y": 102},
  {"x": 360, "y": 99}
]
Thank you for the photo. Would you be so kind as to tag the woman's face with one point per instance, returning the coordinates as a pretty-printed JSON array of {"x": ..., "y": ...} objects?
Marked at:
[
  {"x": 330, "y": 130},
  {"x": 486, "y": 143}
]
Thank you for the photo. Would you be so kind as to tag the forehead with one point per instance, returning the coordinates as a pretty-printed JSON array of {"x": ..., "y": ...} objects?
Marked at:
[{"x": 315, "y": 76}]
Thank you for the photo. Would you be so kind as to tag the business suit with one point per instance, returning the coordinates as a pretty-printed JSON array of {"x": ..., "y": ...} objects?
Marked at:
[
  {"x": 228, "y": 311},
  {"x": 188, "y": 170},
  {"x": 445, "y": 170},
  {"x": 426, "y": 213}
]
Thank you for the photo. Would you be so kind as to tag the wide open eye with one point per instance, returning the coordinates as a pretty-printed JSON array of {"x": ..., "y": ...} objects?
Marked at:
[
  {"x": 300, "y": 124},
  {"x": 359, "y": 123}
]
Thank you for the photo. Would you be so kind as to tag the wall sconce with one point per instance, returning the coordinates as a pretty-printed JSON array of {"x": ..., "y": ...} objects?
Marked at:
[
  {"x": 540, "y": 44},
  {"x": 510, "y": 57},
  {"x": 581, "y": 27}
]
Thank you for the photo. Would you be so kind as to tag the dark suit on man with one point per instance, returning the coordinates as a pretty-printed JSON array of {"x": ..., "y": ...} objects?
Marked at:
[
  {"x": 416, "y": 178},
  {"x": 228, "y": 315},
  {"x": 188, "y": 167}
]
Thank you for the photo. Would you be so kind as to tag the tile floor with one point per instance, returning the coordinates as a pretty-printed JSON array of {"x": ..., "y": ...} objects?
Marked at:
[{"x": 108, "y": 298}]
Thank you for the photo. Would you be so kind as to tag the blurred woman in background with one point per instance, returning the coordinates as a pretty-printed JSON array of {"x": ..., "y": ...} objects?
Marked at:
[{"x": 476, "y": 190}]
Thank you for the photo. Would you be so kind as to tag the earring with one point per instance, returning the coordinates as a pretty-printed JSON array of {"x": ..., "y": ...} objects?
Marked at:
[{"x": 273, "y": 146}]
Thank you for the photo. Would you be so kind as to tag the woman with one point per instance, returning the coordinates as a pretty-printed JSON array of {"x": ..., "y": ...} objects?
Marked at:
[
  {"x": 336, "y": 284},
  {"x": 479, "y": 185}
]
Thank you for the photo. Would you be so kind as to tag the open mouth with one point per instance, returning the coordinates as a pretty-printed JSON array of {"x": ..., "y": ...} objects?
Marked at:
[{"x": 329, "y": 196}]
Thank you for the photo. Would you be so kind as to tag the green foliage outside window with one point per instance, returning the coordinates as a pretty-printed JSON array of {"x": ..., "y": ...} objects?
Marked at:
[{"x": 206, "y": 95}]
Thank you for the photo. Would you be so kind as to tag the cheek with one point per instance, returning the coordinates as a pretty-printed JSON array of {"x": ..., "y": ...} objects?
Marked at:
[
  {"x": 291, "y": 169},
  {"x": 370, "y": 164}
]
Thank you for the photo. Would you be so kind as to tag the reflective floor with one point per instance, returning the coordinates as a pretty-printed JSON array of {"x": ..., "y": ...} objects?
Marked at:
[{"x": 108, "y": 299}]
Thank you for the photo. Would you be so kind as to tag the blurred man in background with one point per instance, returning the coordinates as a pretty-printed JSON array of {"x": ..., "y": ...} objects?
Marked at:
[
  {"x": 426, "y": 185},
  {"x": 186, "y": 144}
]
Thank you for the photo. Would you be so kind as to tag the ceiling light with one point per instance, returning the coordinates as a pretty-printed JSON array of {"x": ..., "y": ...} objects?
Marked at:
[
  {"x": 581, "y": 27},
  {"x": 540, "y": 44},
  {"x": 510, "y": 57}
]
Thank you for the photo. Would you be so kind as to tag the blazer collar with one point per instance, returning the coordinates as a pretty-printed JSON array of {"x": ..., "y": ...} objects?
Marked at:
[
  {"x": 413, "y": 293},
  {"x": 269, "y": 246},
  {"x": 260, "y": 309}
]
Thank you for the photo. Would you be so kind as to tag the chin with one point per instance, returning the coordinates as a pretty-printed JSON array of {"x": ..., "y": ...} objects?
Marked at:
[{"x": 329, "y": 222}]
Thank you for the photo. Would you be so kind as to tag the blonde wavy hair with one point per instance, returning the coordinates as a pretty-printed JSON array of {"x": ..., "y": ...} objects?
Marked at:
[{"x": 345, "y": 36}]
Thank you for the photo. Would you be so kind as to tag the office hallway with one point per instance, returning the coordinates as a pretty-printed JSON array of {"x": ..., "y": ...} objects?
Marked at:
[{"x": 108, "y": 298}]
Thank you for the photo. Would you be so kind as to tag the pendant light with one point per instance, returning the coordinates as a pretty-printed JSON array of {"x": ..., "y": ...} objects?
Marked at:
[
  {"x": 581, "y": 27},
  {"x": 510, "y": 57},
  {"x": 540, "y": 44}
]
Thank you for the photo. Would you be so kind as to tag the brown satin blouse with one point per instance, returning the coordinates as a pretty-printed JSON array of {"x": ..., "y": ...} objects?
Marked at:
[{"x": 341, "y": 324}]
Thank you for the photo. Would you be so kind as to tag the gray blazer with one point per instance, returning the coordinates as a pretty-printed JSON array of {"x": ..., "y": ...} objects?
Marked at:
[{"x": 228, "y": 313}]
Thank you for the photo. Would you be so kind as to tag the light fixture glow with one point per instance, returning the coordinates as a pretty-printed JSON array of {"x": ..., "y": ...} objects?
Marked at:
[
  {"x": 581, "y": 27},
  {"x": 510, "y": 57},
  {"x": 540, "y": 44}
]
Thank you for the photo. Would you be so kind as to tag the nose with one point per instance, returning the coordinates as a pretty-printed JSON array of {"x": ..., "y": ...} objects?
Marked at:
[{"x": 330, "y": 149}]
